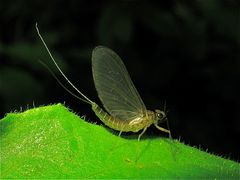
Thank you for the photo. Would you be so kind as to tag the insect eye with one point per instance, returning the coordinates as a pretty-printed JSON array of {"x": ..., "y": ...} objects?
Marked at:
[{"x": 159, "y": 115}]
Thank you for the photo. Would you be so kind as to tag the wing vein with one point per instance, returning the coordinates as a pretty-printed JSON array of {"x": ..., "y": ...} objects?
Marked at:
[{"x": 114, "y": 86}]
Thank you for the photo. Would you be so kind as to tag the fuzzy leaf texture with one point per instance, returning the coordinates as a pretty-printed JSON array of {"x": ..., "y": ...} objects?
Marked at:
[{"x": 52, "y": 142}]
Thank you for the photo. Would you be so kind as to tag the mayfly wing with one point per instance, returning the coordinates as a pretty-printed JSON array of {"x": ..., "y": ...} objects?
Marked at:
[{"x": 114, "y": 86}]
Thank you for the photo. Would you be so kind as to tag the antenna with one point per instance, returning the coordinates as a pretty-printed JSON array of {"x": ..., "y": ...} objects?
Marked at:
[{"x": 65, "y": 77}]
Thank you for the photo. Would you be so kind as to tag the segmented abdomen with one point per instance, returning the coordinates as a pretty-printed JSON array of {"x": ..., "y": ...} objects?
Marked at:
[{"x": 121, "y": 125}]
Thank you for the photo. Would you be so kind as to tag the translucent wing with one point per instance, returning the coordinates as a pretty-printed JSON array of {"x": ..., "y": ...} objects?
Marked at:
[{"x": 114, "y": 86}]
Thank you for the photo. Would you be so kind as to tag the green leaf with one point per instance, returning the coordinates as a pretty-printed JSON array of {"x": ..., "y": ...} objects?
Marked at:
[{"x": 51, "y": 142}]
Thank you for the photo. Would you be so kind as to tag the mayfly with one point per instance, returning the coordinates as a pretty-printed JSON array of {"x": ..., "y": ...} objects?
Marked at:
[{"x": 125, "y": 108}]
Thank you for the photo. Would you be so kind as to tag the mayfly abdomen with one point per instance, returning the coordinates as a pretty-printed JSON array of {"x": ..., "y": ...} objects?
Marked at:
[
  {"x": 133, "y": 125},
  {"x": 109, "y": 120}
]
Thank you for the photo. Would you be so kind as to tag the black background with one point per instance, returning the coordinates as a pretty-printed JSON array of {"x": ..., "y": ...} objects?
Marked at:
[{"x": 184, "y": 53}]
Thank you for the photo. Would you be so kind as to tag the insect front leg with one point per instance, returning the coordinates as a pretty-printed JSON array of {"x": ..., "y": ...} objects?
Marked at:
[{"x": 164, "y": 130}]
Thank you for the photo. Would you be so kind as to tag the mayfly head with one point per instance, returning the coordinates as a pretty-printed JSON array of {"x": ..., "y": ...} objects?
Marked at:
[{"x": 160, "y": 116}]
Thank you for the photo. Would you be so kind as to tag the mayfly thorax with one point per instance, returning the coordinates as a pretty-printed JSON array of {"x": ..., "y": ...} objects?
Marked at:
[{"x": 125, "y": 110}]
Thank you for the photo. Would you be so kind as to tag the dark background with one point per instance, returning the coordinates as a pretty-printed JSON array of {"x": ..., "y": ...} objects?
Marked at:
[{"x": 184, "y": 53}]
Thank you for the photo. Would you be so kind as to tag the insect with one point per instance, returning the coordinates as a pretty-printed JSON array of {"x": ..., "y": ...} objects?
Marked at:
[{"x": 125, "y": 108}]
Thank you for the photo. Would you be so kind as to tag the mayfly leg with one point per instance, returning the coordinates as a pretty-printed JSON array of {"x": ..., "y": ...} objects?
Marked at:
[
  {"x": 139, "y": 136},
  {"x": 170, "y": 134}
]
